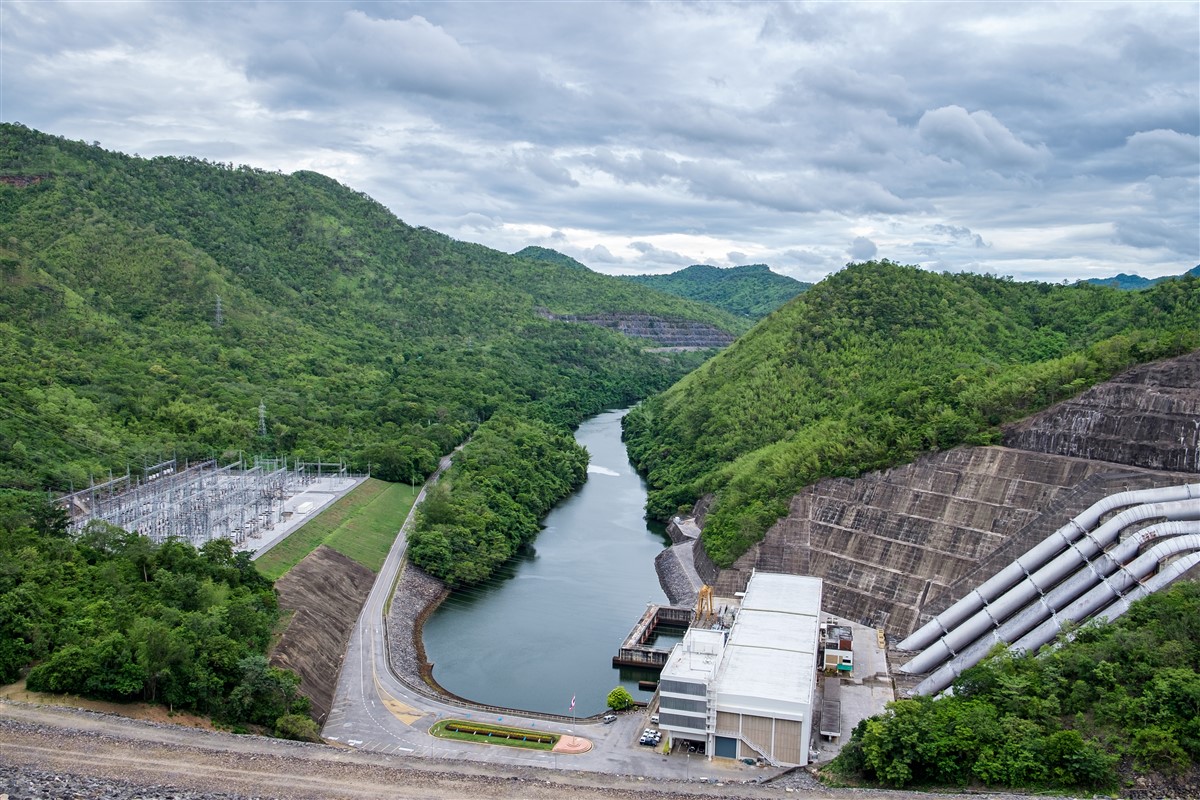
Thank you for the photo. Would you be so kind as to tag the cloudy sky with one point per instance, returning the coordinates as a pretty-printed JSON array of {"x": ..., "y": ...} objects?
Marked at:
[{"x": 1043, "y": 141}]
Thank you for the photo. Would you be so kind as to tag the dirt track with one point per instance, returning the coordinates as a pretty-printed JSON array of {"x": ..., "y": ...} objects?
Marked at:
[
  {"x": 63, "y": 753},
  {"x": 104, "y": 756}
]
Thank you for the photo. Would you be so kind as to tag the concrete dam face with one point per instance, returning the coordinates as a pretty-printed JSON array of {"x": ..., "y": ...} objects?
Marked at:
[{"x": 897, "y": 547}]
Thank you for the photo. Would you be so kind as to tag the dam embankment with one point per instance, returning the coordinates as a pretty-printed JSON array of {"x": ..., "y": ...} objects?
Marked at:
[{"x": 897, "y": 546}]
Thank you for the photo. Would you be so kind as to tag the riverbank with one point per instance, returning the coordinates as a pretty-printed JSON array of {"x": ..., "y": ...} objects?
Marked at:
[
  {"x": 417, "y": 595},
  {"x": 679, "y": 584},
  {"x": 545, "y": 627}
]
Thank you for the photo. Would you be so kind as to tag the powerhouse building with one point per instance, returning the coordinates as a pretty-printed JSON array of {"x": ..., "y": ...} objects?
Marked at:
[{"x": 747, "y": 691}]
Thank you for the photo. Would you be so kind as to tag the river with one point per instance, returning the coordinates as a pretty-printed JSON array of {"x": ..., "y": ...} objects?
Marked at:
[{"x": 544, "y": 629}]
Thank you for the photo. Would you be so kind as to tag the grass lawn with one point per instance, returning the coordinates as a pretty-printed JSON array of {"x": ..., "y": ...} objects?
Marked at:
[
  {"x": 360, "y": 525},
  {"x": 494, "y": 734}
]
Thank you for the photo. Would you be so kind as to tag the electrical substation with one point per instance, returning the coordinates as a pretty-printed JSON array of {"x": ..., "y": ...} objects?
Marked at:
[{"x": 198, "y": 502}]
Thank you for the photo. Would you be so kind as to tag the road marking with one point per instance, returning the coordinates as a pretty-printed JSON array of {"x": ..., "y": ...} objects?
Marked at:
[{"x": 400, "y": 710}]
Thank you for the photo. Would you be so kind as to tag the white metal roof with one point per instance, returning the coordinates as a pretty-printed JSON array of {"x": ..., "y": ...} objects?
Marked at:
[
  {"x": 776, "y": 631},
  {"x": 789, "y": 594},
  {"x": 770, "y": 660},
  {"x": 696, "y": 658},
  {"x": 768, "y": 682}
]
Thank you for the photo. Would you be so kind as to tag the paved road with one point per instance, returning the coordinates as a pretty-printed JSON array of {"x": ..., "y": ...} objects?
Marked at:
[{"x": 374, "y": 711}]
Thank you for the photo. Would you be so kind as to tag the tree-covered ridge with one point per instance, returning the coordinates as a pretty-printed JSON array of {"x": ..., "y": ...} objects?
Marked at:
[
  {"x": 491, "y": 501},
  {"x": 875, "y": 365},
  {"x": 1126, "y": 691},
  {"x": 1126, "y": 281},
  {"x": 150, "y": 305},
  {"x": 111, "y": 615},
  {"x": 535, "y": 253},
  {"x": 752, "y": 291}
]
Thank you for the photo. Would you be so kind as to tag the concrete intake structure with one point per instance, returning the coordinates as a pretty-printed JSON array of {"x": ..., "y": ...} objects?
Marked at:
[
  {"x": 975, "y": 602},
  {"x": 1046, "y": 595}
]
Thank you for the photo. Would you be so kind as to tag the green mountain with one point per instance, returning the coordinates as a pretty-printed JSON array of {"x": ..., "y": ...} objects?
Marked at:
[
  {"x": 151, "y": 305},
  {"x": 753, "y": 291},
  {"x": 1125, "y": 281},
  {"x": 876, "y": 364},
  {"x": 534, "y": 253}
]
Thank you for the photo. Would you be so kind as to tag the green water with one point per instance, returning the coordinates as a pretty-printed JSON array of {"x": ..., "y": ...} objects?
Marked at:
[{"x": 546, "y": 627}]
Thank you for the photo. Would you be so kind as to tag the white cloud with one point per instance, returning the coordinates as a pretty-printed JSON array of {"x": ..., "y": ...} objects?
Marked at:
[
  {"x": 862, "y": 249},
  {"x": 977, "y": 137},
  {"x": 658, "y": 256},
  {"x": 1038, "y": 140}
]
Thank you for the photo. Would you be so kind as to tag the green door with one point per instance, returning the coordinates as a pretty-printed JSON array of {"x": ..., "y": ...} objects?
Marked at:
[{"x": 726, "y": 747}]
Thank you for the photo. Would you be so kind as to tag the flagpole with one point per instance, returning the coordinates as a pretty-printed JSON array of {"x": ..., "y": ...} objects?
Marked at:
[{"x": 572, "y": 730}]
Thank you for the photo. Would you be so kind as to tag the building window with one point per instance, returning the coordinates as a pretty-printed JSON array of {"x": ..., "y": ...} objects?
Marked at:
[
  {"x": 680, "y": 704},
  {"x": 680, "y": 721},
  {"x": 679, "y": 687}
]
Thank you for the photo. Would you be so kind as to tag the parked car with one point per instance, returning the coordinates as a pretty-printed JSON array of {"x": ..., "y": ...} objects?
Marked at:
[
  {"x": 608, "y": 719},
  {"x": 654, "y": 719}
]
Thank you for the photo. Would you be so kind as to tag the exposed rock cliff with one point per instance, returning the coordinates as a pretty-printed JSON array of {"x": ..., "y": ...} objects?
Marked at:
[
  {"x": 662, "y": 331},
  {"x": 894, "y": 547}
]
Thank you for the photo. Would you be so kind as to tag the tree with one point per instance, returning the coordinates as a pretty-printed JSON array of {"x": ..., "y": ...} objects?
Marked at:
[
  {"x": 620, "y": 699},
  {"x": 298, "y": 727}
]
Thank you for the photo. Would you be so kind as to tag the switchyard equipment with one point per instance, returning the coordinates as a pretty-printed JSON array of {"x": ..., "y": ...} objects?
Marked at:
[{"x": 199, "y": 502}]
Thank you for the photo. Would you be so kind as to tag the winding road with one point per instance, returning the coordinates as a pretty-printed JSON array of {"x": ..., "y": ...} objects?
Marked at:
[{"x": 373, "y": 710}]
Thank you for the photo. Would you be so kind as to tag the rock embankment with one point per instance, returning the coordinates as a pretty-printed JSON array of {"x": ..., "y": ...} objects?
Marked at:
[
  {"x": 1146, "y": 417},
  {"x": 679, "y": 586},
  {"x": 36, "y": 784},
  {"x": 417, "y": 595}
]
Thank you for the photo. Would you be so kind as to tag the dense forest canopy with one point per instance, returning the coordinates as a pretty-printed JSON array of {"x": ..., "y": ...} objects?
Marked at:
[
  {"x": 493, "y": 498},
  {"x": 1126, "y": 691},
  {"x": 876, "y": 364},
  {"x": 111, "y": 615},
  {"x": 151, "y": 305},
  {"x": 752, "y": 291}
]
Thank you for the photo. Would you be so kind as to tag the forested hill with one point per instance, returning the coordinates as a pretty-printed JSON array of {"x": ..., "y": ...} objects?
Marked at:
[
  {"x": 534, "y": 253},
  {"x": 876, "y": 364},
  {"x": 1126, "y": 281},
  {"x": 150, "y": 305},
  {"x": 752, "y": 291}
]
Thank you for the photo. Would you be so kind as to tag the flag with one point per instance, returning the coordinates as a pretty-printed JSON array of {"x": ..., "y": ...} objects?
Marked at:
[{"x": 572, "y": 708}]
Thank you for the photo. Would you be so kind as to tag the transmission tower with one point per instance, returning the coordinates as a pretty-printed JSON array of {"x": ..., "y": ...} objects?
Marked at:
[
  {"x": 219, "y": 317},
  {"x": 262, "y": 417}
]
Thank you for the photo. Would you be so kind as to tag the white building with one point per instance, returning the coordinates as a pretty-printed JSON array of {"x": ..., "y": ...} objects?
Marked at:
[{"x": 747, "y": 692}]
